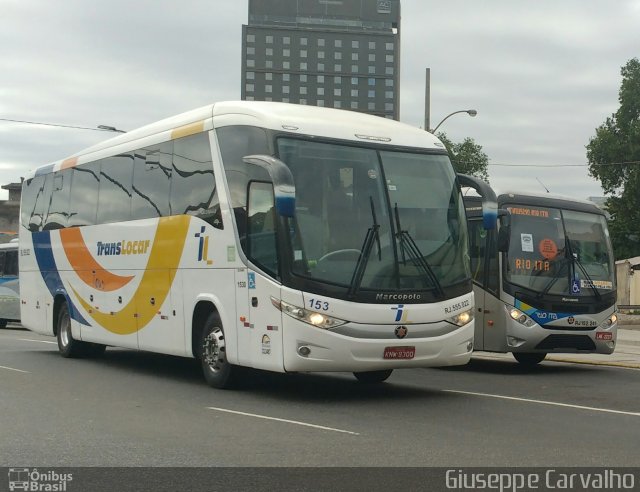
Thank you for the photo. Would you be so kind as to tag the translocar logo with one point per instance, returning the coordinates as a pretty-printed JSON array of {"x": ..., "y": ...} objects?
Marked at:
[
  {"x": 35, "y": 480},
  {"x": 123, "y": 248}
]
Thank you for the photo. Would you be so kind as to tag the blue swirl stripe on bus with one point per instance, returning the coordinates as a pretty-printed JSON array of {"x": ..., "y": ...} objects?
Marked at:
[{"x": 49, "y": 271}]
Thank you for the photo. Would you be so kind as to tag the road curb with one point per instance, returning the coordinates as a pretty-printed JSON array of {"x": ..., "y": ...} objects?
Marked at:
[{"x": 626, "y": 365}]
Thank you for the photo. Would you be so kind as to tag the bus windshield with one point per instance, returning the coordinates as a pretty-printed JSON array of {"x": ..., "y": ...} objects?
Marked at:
[
  {"x": 404, "y": 206},
  {"x": 559, "y": 252}
]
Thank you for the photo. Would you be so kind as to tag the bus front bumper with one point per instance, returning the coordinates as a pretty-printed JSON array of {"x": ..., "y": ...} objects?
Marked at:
[{"x": 310, "y": 349}]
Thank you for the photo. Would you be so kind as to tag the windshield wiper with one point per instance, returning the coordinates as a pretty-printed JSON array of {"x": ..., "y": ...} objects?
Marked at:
[
  {"x": 371, "y": 236},
  {"x": 408, "y": 245},
  {"x": 576, "y": 261}
]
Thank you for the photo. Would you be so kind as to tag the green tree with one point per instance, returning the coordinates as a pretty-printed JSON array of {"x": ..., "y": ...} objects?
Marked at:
[
  {"x": 467, "y": 156},
  {"x": 614, "y": 159}
]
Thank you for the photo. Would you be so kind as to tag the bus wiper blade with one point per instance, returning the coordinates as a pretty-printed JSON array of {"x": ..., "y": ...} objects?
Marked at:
[
  {"x": 371, "y": 236},
  {"x": 552, "y": 282},
  {"x": 415, "y": 255},
  {"x": 576, "y": 261}
]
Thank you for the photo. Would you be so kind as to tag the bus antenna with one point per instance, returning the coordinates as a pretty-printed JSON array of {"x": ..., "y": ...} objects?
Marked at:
[{"x": 547, "y": 190}]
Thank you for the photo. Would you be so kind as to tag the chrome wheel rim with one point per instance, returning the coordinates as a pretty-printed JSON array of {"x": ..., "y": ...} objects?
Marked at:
[
  {"x": 213, "y": 351},
  {"x": 65, "y": 336}
]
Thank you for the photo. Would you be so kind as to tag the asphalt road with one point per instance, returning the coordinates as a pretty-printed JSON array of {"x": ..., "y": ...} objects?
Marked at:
[{"x": 131, "y": 408}]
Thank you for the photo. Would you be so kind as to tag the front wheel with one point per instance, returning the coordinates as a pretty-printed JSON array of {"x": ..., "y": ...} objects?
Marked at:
[
  {"x": 217, "y": 371},
  {"x": 529, "y": 358},
  {"x": 372, "y": 377}
]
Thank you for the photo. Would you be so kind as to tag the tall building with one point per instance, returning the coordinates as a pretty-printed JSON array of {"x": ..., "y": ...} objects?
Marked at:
[{"x": 334, "y": 53}]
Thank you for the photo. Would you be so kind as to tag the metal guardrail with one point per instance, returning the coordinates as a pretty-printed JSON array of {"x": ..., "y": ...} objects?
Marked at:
[{"x": 628, "y": 307}]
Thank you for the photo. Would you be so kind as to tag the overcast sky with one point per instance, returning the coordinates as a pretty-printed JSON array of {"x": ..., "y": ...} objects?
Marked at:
[{"x": 542, "y": 75}]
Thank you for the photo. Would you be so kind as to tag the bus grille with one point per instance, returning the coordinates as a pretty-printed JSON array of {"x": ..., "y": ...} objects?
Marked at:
[{"x": 574, "y": 342}]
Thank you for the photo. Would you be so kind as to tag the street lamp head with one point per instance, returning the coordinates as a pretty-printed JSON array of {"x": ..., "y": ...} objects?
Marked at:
[
  {"x": 110, "y": 128},
  {"x": 470, "y": 112}
]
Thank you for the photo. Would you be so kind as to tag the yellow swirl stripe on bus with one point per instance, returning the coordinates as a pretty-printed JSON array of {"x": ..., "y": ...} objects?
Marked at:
[
  {"x": 85, "y": 266},
  {"x": 155, "y": 283}
]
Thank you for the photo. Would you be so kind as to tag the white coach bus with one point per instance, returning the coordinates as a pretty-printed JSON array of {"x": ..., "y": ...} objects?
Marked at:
[{"x": 274, "y": 236}]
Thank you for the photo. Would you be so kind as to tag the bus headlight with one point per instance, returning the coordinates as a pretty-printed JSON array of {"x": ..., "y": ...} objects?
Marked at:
[
  {"x": 311, "y": 317},
  {"x": 462, "y": 318},
  {"x": 609, "y": 322},
  {"x": 521, "y": 317}
]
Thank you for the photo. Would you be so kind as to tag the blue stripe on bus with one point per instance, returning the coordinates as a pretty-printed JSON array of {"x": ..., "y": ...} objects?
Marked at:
[{"x": 49, "y": 271}]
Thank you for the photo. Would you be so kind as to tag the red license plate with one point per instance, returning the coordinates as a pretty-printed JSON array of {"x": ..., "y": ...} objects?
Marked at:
[
  {"x": 398, "y": 353},
  {"x": 604, "y": 336}
]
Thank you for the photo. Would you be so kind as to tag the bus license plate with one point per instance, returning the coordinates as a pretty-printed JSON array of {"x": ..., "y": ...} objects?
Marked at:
[
  {"x": 603, "y": 335},
  {"x": 399, "y": 353}
]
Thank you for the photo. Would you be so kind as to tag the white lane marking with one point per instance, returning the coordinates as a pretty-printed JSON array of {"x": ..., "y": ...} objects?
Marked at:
[
  {"x": 12, "y": 369},
  {"x": 542, "y": 402},
  {"x": 284, "y": 420},
  {"x": 32, "y": 340}
]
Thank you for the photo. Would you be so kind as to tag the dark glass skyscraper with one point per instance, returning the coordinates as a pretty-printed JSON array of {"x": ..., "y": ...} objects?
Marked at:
[{"x": 334, "y": 53}]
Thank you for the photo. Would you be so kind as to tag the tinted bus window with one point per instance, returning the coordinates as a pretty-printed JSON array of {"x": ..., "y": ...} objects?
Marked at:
[
  {"x": 83, "y": 201},
  {"x": 151, "y": 182},
  {"x": 30, "y": 193},
  {"x": 114, "y": 198},
  {"x": 10, "y": 263},
  {"x": 43, "y": 197},
  {"x": 193, "y": 187},
  {"x": 59, "y": 204}
]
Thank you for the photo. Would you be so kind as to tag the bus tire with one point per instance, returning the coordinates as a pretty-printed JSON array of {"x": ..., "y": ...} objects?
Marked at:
[
  {"x": 373, "y": 377},
  {"x": 67, "y": 345},
  {"x": 217, "y": 371},
  {"x": 529, "y": 358},
  {"x": 3, "y": 323}
]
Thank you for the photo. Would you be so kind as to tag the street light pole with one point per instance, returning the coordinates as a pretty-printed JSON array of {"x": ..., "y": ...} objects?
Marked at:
[{"x": 470, "y": 112}]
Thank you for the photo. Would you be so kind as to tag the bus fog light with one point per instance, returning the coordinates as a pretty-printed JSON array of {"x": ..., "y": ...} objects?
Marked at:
[
  {"x": 611, "y": 344},
  {"x": 469, "y": 346},
  {"x": 304, "y": 351},
  {"x": 514, "y": 341}
]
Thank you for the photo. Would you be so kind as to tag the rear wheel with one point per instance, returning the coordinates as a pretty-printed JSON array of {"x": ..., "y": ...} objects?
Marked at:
[
  {"x": 529, "y": 358},
  {"x": 372, "y": 377},
  {"x": 67, "y": 345},
  {"x": 217, "y": 371}
]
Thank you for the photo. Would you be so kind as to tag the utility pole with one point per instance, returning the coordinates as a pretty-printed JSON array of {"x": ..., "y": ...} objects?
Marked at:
[{"x": 427, "y": 101}]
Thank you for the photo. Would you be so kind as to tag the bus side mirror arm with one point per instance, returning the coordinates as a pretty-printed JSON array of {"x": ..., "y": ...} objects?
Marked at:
[
  {"x": 504, "y": 233},
  {"x": 489, "y": 199},
  {"x": 284, "y": 189}
]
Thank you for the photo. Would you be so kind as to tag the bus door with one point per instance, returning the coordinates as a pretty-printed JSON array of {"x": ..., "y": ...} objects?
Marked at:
[
  {"x": 262, "y": 340},
  {"x": 489, "y": 313}
]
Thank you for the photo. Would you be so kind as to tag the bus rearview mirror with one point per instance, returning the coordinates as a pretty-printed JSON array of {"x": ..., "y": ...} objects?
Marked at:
[{"x": 284, "y": 189}]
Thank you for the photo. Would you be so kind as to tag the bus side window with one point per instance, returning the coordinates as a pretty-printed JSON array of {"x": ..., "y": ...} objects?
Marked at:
[
  {"x": 261, "y": 226},
  {"x": 40, "y": 201},
  {"x": 10, "y": 263},
  {"x": 114, "y": 198},
  {"x": 83, "y": 201},
  {"x": 30, "y": 194},
  {"x": 58, "y": 206},
  {"x": 151, "y": 182},
  {"x": 193, "y": 186}
]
